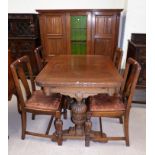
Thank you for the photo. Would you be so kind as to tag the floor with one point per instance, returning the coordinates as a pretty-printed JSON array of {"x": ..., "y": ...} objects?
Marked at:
[
  {"x": 140, "y": 95},
  {"x": 42, "y": 146}
]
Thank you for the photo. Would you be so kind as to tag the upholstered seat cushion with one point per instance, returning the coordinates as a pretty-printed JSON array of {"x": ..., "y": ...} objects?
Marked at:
[
  {"x": 104, "y": 102},
  {"x": 38, "y": 101}
]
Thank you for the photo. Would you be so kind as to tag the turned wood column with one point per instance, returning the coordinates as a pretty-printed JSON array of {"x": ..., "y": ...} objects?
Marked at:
[{"x": 79, "y": 114}]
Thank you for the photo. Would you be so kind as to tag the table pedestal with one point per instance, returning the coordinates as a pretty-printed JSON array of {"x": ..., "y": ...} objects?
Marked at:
[
  {"x": 82, "y": 125},
  {"x": 79, "y": 115}
]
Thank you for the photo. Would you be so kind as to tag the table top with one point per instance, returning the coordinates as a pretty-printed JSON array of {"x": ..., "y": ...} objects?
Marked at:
[{"x": 79, "y": 71}]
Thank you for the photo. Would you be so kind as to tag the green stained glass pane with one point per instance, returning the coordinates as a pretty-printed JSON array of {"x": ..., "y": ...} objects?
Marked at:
[
  {"x": 78, "y": 34},
  {"x": 78, "y": 47},
  {"x": 78, "y": 21}
]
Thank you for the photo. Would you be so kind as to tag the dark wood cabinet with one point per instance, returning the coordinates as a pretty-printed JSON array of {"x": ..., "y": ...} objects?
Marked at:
[
  {"x": 96, "y": 31},
  {"x": 23, "y": 35},
  {"x": 137, "y": 50},
  {"x": 11, "y": 85}
]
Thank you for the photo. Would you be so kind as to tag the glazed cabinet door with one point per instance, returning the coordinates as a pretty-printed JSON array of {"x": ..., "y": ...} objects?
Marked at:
[
  {"x": 78, "y": 32},
  {"x": 53, "y": 33},
  {"x": 104, "y": 32}
]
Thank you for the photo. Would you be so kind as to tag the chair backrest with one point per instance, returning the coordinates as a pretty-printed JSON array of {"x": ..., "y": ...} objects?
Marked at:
[
  {"x": 118, "y": 58},
  {"x": 39, "y": 57},
  {"x": 21, "y": 68},
  {"x": 130, "y": 77}
]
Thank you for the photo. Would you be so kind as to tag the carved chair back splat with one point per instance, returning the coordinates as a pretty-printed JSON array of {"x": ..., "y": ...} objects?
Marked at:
[
  {"x": 118, "y": 58},
  {"x": 40, "y": 58}
]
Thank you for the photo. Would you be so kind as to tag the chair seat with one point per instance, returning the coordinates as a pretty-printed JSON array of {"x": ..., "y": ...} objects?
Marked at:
[
  {"x": 104, "y": 102},
  {"x": 38, "y": 101}
]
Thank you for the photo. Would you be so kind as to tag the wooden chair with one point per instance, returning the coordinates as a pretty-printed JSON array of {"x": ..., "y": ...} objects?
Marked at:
[
  {"x": 41, "y": 62},
  {"x": 11, "y": 84},
  {"x": 117, "y": 62},
  {"x": 40, "y": 59},
  {"x": 118, "y": 58},
  {"x": 36, "y": 102},
  {"x": 119, "y": 105}
]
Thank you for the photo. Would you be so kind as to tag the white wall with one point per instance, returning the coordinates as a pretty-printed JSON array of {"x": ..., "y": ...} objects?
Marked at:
[
  {"x": 135, "y": 22},
  {"x": 29, "y": 6}
]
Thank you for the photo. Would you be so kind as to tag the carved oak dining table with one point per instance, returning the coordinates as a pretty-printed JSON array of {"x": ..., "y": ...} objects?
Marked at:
[{"x": 79, "y": 76}]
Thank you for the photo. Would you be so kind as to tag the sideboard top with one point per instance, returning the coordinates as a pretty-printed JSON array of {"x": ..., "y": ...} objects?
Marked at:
[{"x": 76, "y": 10}]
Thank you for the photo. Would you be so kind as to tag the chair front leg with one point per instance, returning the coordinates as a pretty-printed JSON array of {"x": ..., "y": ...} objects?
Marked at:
[
  {"x": 23, "y": 119},
  {"x": 126, "y": 129},
  {"x": 88, "y": 126},
  {"x": 58, "y": 126}
]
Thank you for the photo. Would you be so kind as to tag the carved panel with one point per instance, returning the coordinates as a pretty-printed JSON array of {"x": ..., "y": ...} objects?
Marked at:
[
  {"x": 53, "y": 34},
  {"x": 55, "y": 46},
  {"x": 103, "y": 25},
  {"x": 104, "y": 33},
  {"x": 19, "y": 28},
  {"x": 54, "y": 25},
  {"x": 103, "y": 47},
  {"x": 23, "y": 25},
  {"x": 23, "y": 32}
]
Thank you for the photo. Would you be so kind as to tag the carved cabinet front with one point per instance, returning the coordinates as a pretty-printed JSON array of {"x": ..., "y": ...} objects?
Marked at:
[
  {"x": 138, "y": 52},
  {"x": 79, "y": 31},
  {"x": 23, "y": 34}
]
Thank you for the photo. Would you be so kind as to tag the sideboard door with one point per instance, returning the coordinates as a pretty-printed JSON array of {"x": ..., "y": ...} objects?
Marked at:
[
  {"x": 53, "y": 33},
  {"x": 105, "y": 32}
]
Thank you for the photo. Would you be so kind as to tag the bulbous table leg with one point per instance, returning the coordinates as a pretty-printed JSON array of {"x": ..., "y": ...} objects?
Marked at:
[{"x": 79, "y": 117}]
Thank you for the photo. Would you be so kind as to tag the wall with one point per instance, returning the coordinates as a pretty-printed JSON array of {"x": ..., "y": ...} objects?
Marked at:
[
  {"x": 135, "y": 22},
  {"x": 29, "y": 6}
]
